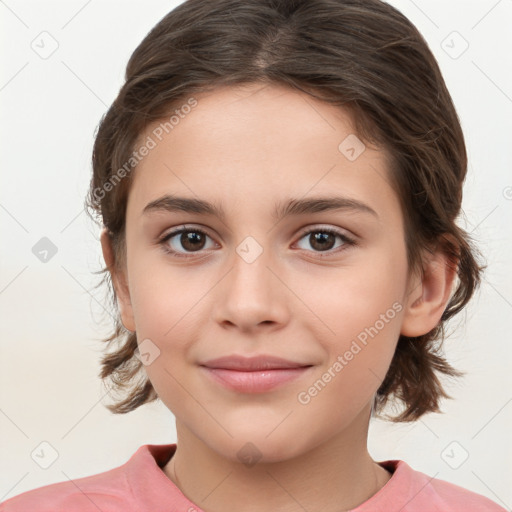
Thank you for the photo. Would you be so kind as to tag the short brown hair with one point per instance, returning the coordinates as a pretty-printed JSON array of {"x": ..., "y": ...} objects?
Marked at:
[{"x": 362, "y": 55}]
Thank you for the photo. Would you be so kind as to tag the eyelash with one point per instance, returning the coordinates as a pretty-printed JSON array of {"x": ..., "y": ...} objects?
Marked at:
[{"x": 348, "y": 242}]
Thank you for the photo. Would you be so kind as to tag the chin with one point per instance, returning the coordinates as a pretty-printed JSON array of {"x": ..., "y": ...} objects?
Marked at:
[{"x": 251, "y": 447}]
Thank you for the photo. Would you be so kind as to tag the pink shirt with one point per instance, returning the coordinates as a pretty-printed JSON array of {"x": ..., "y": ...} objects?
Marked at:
[{"x": 140, "y": 485}]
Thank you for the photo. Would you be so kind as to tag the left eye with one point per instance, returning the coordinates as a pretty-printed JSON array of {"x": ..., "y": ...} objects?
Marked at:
[{"x": 323, "y": 240}]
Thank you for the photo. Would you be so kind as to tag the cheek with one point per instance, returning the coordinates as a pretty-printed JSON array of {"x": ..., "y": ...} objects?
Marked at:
[
  {"x": 358, "y": 356},
  {"x": 168, "y": 316},
  {"x": 165, "y": 298},
  {"x": 358, "y": 322},
  {"x": 347, "y": 301}
]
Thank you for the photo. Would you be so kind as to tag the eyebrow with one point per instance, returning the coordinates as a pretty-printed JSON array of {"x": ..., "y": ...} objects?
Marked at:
[{"x": 168, "y": 203}]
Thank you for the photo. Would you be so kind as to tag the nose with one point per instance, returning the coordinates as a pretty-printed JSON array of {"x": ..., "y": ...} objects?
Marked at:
[{"x": 252, "y": 292}]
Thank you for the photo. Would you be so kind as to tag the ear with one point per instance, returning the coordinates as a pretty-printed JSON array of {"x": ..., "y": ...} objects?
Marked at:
[
  {"x": 119, "y": 280},
  {"x": 428, "y": 295}
]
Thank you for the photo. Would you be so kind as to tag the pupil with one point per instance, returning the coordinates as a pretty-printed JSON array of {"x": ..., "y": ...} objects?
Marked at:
[
  {"x": 320, "y": 239},
  {"x": 192, "y": 240}
]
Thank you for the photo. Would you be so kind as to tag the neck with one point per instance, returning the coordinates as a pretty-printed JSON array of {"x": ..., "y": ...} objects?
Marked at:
[{"x": 336, "y": 475}]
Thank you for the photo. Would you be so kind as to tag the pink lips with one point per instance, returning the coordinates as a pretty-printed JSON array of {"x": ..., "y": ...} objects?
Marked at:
[{"x": 253, "y": 374}]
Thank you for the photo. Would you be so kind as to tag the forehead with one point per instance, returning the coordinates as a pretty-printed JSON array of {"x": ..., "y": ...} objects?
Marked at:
[{"x": 259, "y": 142}]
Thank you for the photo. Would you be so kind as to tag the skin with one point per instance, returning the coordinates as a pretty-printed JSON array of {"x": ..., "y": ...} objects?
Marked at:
[{"x": 245, "y": 148}]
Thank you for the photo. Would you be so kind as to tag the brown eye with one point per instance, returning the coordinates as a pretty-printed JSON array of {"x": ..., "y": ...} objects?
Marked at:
[
  {"x": 184, "y": 241},
  {"x": 324, "y": 240},
  {"x": 192, "y": 240}
]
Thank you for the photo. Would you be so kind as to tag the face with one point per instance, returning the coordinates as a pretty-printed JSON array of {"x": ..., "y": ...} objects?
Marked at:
[{"x": 322, "y": 288}]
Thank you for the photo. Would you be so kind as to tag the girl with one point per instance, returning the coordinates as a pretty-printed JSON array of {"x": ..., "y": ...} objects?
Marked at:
[{"x": 310, "y": 151}]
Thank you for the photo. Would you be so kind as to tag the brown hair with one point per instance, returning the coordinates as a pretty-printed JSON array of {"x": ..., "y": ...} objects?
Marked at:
[{"x": 362, "y": 55}]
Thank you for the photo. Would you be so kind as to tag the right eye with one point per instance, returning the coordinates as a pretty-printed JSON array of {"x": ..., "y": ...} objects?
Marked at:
[{"x": 192, "y": 240}]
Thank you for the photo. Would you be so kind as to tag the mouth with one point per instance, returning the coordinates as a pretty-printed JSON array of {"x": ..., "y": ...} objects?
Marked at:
[{"x": 253, "y": 374}]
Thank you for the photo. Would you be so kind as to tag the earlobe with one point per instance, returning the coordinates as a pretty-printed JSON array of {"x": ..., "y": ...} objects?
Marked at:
[
  {"x": 119, "y": 281},
  {"x": 429, "y": 295}
]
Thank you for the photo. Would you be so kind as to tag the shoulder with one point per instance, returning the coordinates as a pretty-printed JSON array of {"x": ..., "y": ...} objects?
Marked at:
[
  {"x": 104, "y": 491},
  {"x": 459, "y": 498},
  {"x": 416, "y": 491},
  {"x": 112, "y": 490}
]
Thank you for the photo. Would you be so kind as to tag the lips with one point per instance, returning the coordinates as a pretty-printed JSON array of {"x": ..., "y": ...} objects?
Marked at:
[
  {"x": 255, "y": 363},
  {"x": 256, "y": 374}
]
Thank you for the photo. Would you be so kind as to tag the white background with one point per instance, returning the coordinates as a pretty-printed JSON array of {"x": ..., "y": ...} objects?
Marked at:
[{"x": 53, "y": 318}]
